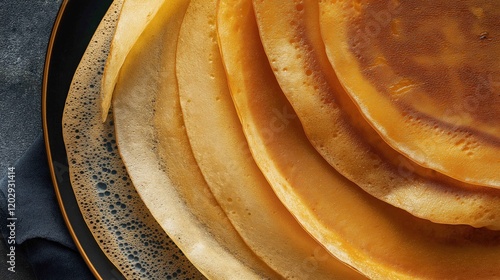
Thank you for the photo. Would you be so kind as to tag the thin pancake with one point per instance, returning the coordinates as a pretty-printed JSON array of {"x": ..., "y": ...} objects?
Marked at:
[
  {"x": 293, "y": 44},
  {"x": 426, "y": 83},
  {"x": 135, "y": 16},
  {"x": 380, "y": 240},
  {"x": 222, "y": 154},
  {"x": 121, "y": 224},
  {"x": 156, "y": 152}
]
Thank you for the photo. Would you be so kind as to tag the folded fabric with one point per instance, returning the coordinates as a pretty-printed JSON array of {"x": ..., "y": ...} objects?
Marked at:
[{"x": 40, "y": 231}]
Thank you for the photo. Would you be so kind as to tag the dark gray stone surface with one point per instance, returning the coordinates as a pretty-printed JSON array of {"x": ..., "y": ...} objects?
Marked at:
[
  {"x": 24, "y": 31},
  {"x": 25, "y": 27}
]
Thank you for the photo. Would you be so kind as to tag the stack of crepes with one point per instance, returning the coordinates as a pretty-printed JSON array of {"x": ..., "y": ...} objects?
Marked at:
[{"x": 314, "y": 139}]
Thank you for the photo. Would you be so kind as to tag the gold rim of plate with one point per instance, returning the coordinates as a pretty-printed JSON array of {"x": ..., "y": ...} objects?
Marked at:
[{"x": 46, "y": 69}]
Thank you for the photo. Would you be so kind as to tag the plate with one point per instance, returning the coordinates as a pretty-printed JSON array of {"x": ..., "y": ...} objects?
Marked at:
[{"x": 104, "y": 248}]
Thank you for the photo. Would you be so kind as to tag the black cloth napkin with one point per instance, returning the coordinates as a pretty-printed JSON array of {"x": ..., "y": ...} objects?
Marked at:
[{"x": 40, "y": 231}]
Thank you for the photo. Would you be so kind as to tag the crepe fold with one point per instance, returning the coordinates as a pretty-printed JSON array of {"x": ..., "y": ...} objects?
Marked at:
[
  {"x": 154, "y": 146},
  {"x": 134, "y": 17},
  {"x": 222, "y": 153}
]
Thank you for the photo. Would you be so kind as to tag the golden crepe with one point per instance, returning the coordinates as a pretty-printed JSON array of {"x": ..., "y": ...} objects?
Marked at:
[
  {"x": 425, "y": 75},
  {"x": 291, "y": 39},
  {"x": 381, "y": 241},
  {"x": 121, "y": 224},
  {"x": 221, "y": 152},
  {"x": 135, "y": 16},
  {"x": 251, "y": 155},
  {"x": 156, "y": 152}
]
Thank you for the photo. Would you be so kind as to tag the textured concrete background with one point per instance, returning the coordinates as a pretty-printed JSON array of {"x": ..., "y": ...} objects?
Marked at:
[
  {"x": 24, "y": 31},
  {"x": 25, "y": 27}
]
